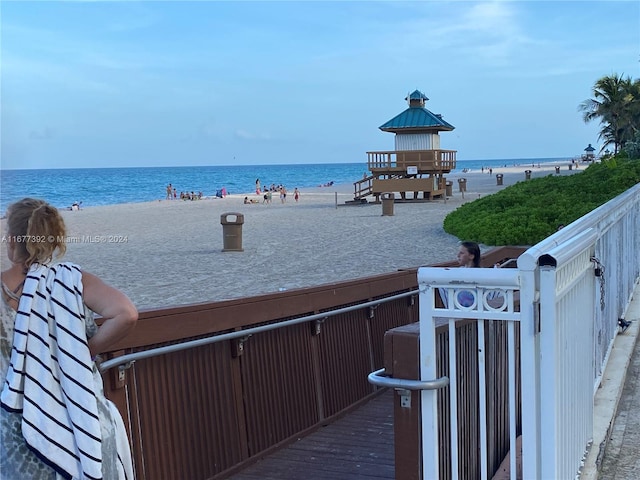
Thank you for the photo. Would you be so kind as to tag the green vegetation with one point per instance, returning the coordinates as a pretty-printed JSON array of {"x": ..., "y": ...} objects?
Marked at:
[
  {"x": 531, "y": 210},
  {"x": 616, "y": 103}
]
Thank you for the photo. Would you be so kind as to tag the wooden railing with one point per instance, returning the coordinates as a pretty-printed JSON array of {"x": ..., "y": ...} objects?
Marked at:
[
  {"x": 207, "y": 411},
  {"x": 362, "y": 188},
  {"x": 425, "y": 161},
  {"x": 202, "y": 412}
]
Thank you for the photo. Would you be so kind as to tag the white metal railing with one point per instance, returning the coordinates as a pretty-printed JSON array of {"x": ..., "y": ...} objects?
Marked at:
[
  {"x": 567, "y": 306},
  {"x": 573, "y": 286},
  {"x": 481, "y": 294}
]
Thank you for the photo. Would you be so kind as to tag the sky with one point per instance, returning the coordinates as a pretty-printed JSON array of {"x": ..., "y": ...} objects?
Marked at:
[{"x": 160, "y": 83}]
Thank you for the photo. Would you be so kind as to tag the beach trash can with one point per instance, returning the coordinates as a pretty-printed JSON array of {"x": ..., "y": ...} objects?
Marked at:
[
  {"x": 570, "y": 167},
  {"x": 387, "y": 204},
  {"x": 527, "y": 174},
  {"x": 462, "y": 184},
  {"x": 499, "y": 178},
  {"x": 449, "y": 188},
  {"x": 232, "y": 231},
  {"x": 557, "y": 169}
]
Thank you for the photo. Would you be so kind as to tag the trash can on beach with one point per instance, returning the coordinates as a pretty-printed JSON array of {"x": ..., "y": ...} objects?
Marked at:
[
  {"x": 449, "y": 188},
  {"x": 527, "y": 174},
  {"x": 232, "y": 232},
  {"x": 462, "y": 184},
  {"x": 557, "y": 169},
  {"x": 570, "y": 167},
  {"x": 387, "y": 204},
  {"x": 499, "y": 177}
]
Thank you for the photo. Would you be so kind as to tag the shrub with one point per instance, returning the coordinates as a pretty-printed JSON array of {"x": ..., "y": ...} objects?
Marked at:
[{"x": 529, "y": 211}]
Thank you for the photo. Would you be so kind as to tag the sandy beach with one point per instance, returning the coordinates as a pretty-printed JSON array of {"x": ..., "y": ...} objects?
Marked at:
[{"x": 170, "y": 252}]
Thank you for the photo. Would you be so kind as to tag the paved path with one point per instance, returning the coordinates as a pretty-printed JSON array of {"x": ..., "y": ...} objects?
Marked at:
[{"x": 622, "y": 455}]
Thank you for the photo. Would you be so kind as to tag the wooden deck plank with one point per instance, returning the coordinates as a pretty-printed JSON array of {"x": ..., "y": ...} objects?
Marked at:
[{"x": 359, "y": 445}]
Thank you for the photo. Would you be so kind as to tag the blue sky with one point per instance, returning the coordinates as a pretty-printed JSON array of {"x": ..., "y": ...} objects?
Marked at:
[{"x": 113, "y": 84}]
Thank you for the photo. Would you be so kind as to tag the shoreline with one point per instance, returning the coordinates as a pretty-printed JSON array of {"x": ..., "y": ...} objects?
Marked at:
[
  {"x": 345, "y": 187},
  {"x": 167, "y": 253}
]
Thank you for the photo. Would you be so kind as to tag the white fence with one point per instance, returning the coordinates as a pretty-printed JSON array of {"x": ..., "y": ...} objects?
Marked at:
[{"x": 572, "y": 288}]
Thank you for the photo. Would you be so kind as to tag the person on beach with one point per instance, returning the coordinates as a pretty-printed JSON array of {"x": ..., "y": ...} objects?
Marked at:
[
  {"x": 296, "y": 194},
  {"x": 56, "y": 421},
  {"x": 469, "y": 255},
  {"x": 258, "y": 186},
  {"x": 169, "y": 192}
]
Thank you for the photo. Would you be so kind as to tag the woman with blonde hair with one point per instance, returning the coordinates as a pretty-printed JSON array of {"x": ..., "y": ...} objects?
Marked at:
[{"x": 56, "y": 421}]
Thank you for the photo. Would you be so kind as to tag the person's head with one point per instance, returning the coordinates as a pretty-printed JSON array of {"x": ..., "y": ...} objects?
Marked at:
[
  {"x": 469, "y": 255},
  {"x": 36, "y": 232}
]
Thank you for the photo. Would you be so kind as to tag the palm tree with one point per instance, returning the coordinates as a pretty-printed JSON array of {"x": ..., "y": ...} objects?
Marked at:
[{"x": 616, "y": 102}]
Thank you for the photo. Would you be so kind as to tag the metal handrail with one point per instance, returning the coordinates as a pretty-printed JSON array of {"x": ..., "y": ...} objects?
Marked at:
[
  {"x": 377, "y": 378},
  {"x": 125, "y": 361}
]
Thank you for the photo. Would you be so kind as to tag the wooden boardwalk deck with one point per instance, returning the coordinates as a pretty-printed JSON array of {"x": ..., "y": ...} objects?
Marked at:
[{"x": 357, "y": 446}]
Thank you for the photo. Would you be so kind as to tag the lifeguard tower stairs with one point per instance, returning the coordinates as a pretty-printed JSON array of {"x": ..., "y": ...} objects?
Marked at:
[{"x": 416, "y": 168}]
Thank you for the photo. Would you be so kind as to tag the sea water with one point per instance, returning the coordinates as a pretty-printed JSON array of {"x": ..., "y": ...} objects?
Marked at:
[{"x": 109, "y": 186}]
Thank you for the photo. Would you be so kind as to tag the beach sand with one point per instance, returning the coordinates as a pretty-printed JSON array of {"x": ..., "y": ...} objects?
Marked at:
[{"x": 170, "y": 252}]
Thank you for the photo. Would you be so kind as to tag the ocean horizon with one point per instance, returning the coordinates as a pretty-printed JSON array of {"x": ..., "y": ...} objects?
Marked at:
[{"x": 110, "y": 186}]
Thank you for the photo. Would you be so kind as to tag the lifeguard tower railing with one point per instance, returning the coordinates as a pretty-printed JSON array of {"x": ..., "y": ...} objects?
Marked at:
[
  {"x": 572, "y": 288},
  {"x": 425, "y": 161}
]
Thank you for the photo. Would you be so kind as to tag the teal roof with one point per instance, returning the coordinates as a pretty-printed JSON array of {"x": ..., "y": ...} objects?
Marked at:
[
  {"x": 590, "y": 148},
  {"x": 416, "y": 118},
  {"x": 417, "y": 95}
]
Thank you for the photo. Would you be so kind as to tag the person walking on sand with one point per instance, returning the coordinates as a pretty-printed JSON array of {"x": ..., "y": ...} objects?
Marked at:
[
  {"x": 296, "y": 194},
  {"x": 169, "y": 192},
  {"x": 258, "y": 186},
  {"x": 62, "y": 425}
]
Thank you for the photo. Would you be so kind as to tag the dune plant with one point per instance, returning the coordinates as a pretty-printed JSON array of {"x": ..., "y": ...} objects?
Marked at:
[{"x": 531, "y": 210}]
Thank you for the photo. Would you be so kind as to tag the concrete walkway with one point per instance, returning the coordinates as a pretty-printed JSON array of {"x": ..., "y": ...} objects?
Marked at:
[
  {"x": 622, "y": 454},
  {"x": 615, "y": 454}
]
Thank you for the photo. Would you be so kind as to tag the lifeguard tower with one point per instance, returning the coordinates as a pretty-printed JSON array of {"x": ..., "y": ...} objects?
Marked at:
[
  {"x": 589, "y": 155},
  {"x": 416, "y": 168}
]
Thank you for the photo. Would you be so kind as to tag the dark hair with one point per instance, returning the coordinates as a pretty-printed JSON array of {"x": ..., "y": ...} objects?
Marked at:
[
  {"x": 40, "y": 230},
  {"x": 473, "y": 249}
]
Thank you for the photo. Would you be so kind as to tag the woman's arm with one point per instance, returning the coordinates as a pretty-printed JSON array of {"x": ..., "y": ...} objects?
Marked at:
[{"x": 118, "y": 312}]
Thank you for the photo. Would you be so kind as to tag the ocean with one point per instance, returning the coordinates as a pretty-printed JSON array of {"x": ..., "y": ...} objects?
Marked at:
[{"x": 110, "y": 186}]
